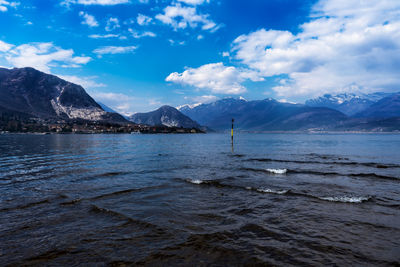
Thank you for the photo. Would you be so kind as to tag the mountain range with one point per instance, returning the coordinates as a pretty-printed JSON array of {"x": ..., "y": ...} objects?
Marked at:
[
  {"x": 29, "y": 93},
  {"x": 262, "y": 115},
  {"x": 387, "y": 107},
  {"x": 347, "y": 103},
  {"x": 35, "y": 94},
  {"x": 381, "y": 114}
]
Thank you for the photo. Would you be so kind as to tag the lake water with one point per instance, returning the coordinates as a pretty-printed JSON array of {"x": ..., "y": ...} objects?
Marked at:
[{"x": 278, "y": 199}]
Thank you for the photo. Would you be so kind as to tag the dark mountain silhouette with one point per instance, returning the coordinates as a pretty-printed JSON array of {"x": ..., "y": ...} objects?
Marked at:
[
  {"x": 40, "y": 95},
  {"x": 165, "y": 115},
  {"x": 387, "y": 107}
]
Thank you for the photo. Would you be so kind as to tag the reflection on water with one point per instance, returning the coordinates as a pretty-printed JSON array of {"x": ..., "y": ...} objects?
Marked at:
[{"x": 288, "y": 199}]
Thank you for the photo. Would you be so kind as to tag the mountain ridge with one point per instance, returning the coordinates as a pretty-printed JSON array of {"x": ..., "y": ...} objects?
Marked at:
[
  {"x": 347, "y": 103},
  {"x": 272, "y": 115},
  {"x": 165, "y": 115},
  {"x": 387, "y": 107},
  {"x": 267, "y": 114},
  {"x": 46, "y": 96}
]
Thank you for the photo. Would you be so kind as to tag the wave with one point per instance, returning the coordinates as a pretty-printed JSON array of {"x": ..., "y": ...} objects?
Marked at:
[
  {"x": 289, "y": 192},
  {"x": 195, "y": 181},
  {"x": 35, "y": 203},
  {"x": 106, "y": 174},
  {"x": 114, "y": 193},
  {"x": 121, "y": 192},
  {"x": 123, "y": 217},
  {"x": 272, "y": 191},
  {"x": 349, "y": 163},
  {"x": 346, "y": 199},
  {"x": 215, "y": 183},
  {"x": 71, "y": 202},
  {"x": 236, "y": 155},
  {"x": 341, "y": 199},
  {"x": 326, "y": 156},
  {"x": 277, "y": 171},
  {"x": 374, "y": 175},
  {"x": 219, "y": 184},
  {"x": 28, "y": 205}
]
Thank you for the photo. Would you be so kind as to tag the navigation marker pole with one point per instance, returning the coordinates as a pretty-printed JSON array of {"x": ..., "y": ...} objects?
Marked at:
[{"x": 232, "y": 134}]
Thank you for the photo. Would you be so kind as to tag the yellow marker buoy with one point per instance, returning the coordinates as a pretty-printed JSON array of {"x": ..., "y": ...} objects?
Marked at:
[{"x": 232, "y": 130}]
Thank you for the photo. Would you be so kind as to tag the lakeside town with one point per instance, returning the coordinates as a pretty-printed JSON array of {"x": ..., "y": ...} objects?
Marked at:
[{"x": 33, "y": 125}]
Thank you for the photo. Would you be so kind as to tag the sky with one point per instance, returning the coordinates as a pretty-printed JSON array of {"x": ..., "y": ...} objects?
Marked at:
[{"x": 136, "y": 55}]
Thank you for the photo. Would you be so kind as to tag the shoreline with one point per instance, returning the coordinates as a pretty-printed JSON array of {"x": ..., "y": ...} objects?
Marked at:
[{"x": 224, "y": 132}]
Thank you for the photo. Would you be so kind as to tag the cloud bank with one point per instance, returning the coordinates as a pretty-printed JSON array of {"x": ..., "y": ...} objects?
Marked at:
[
  {"x": 41, "y": 56},
  {"x": 348, "y": 45},
  {"x": 215, "y": 77},
  {"x": 4, "y": 5}
]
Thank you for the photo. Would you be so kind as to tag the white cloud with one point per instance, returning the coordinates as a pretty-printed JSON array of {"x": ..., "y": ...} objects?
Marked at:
[
  {"x": 143, "y": 19},
  {"x": 111, "y": 96},
  {"x": 180, "y": 17},
  {"x": 200, "y": 37},
  {"x": 112, "y": 24},
  {"x": 41, "y": 56},
  {"x": 85, "y": 82},
  {"x": 173, "y": 42},
  {"x": 194, "y": 2},
  {"x": 215, "y": 77},
  {"x": 114, "y": 50},
  {"x": 202, "y": 99},
  {"x": 4, "y": 47},
  {"x": 138, "y": 35},
  {"x": 154, "y": 102},
  {"x": 95, "y": 2},
  {"x": 4, "y": 5},
  {"x": 88, "y": 19},
  {"x": 347, "y": 45},
  {"x": 103, "y": 36}
]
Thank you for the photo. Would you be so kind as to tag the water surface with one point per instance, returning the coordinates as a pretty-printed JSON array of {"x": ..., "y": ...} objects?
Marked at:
[{"x": 277, "y": 199}]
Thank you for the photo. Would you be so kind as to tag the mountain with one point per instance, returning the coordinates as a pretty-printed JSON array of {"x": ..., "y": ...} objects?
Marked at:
[
  {"x": 349, "y": 104},
  {"x": 40, "y": 95},
  {"x": 387, "y": 107},
  {"x": 167, "y": 116},
  {"x": 262, "y": 115}
]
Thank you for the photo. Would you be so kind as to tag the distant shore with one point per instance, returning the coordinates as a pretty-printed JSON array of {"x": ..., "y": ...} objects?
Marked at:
[
  {"x": 196, "y": 131},
  {"x": 320, "y": 132}
]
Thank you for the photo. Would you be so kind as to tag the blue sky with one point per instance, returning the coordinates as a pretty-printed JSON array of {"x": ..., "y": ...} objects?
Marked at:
[{"x": 135, "y": 55}]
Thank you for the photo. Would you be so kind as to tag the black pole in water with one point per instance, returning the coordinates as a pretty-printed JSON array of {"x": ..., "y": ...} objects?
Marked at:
[{"x": 232, "y": 134}]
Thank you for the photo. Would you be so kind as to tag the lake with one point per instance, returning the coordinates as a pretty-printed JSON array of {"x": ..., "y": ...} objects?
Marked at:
[{"x": 276, "y": 199}]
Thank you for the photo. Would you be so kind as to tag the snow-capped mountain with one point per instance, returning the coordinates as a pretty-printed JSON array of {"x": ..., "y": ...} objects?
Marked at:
[
  {"x": 40, "y": 95},
  {"x": 187, "y": 106},
  {"x": 350, "y": 104},
  {"x": 165, "y": 115},
  {"x": 387, "y": 107},
  {"x": 262, "y": 115}
]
